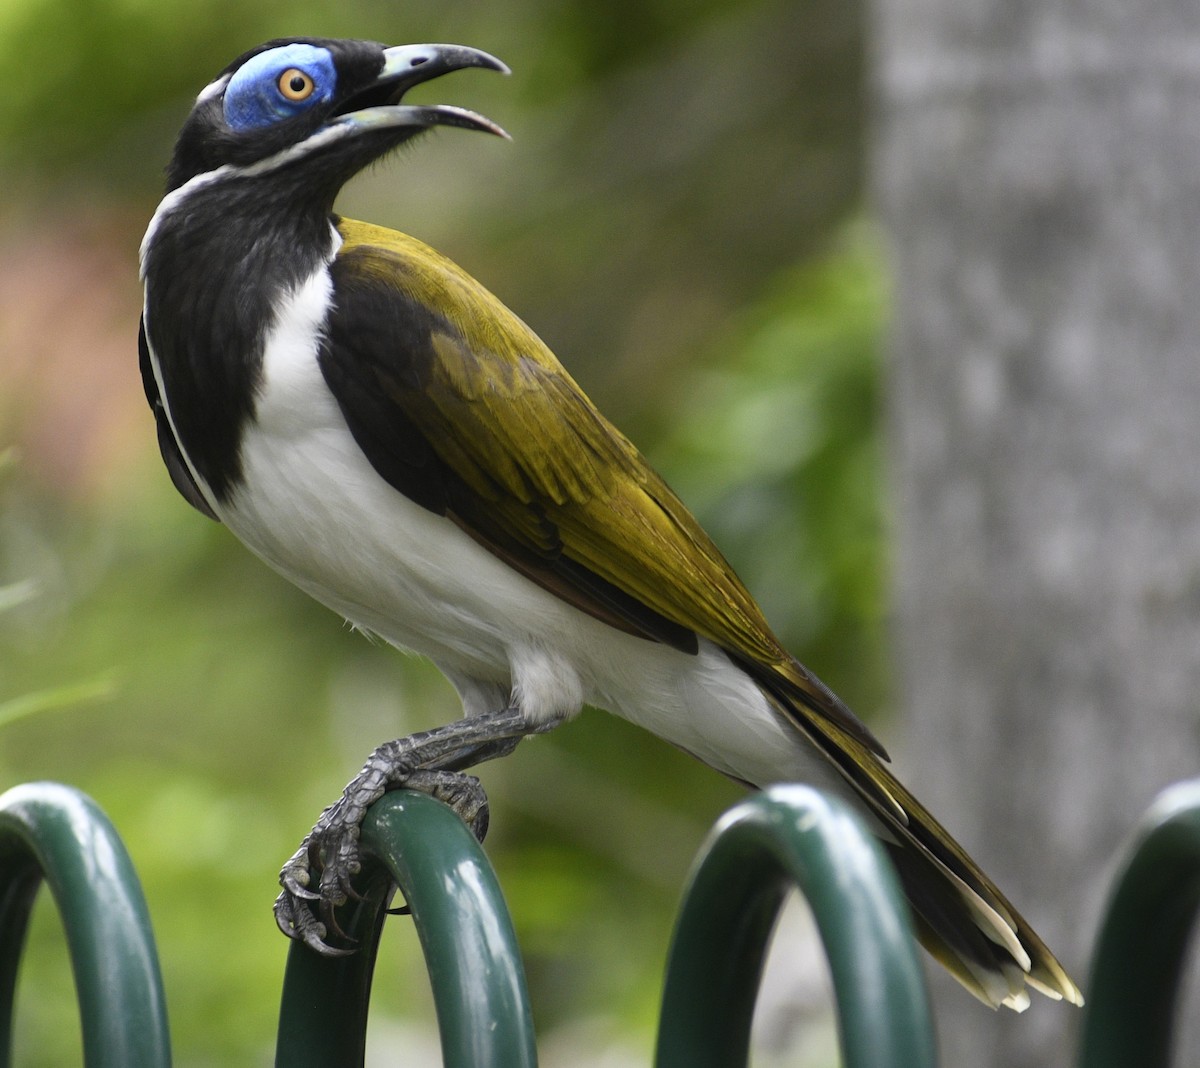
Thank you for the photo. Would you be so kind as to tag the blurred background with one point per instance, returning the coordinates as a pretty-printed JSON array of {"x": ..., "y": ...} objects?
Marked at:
[{"x": 711, "y": 212}]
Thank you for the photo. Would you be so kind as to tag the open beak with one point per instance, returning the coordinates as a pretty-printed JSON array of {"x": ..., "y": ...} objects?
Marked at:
[{"x": 378, "y": 106}]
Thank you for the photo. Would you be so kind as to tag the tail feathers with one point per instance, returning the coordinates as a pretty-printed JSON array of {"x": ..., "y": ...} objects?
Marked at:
[
  {"x": 981, "y": 950},
  {"x": 961, "y": 917},
  {"x": 991, "y": 977},
  {"x": 964, "y": 916}
]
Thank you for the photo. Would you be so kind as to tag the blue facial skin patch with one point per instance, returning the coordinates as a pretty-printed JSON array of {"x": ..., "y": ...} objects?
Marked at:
[{"x": 253, "y": 98}]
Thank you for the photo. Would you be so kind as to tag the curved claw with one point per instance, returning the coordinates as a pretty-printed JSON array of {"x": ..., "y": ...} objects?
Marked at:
[
  {"x": 300, "y": 925},
  {"x": 284, "y": 914},
  {"x": 329, "y": 903},
  {"x": 345, "y": 888},
  {"x": 313, "y": 938},
  {"x": 294, "y": 878},
  {"x": 298, "y": 890},
  {"x": 479, "y": 825},
  {"x": 313, "y": 934},
  {"x": 308, "y": 915}
]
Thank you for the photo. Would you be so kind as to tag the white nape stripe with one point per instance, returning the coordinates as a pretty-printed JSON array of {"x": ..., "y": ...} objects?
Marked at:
[
  {"x": 166, "y": 206},
  {"x": 169, "y": 203},
  {"x": 327, "y": 135},
  {"x": 213, "y": 88}
]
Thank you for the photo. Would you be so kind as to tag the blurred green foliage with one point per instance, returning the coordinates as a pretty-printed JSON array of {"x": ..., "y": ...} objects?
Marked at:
[{"x": 677, "y": 218}]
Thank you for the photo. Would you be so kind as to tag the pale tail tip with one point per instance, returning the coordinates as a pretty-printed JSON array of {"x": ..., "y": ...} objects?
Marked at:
[
  {"x": 1064, "y": 989},
  {"x": 1016, "y": 1002}
]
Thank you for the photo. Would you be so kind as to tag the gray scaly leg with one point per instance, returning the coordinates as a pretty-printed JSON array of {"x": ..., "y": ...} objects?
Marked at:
[{"x": 433, "y": 762}]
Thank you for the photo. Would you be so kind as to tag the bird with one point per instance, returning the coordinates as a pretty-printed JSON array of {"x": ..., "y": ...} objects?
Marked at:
[{"x": 381, "y": 430}]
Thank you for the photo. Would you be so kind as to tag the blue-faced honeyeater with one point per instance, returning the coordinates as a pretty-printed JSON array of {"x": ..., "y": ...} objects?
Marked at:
[{"x": 378, "y": 428}]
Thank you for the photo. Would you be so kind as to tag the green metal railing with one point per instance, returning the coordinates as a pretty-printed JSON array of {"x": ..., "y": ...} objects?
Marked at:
[
  {"x": 1138, "y": 969},
  {"x": 54, "y": 834},
  {"x": 782, "y": 837},
  {"x": 785, "y": 836}
]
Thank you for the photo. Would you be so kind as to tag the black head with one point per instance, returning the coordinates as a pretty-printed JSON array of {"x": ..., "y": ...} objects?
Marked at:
[{"x": 321, "y": 108}]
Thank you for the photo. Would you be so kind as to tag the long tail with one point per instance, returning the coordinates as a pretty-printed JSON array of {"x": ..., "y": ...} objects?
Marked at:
[
  {"x": 964, "y": 920},
  {"x": 961, "y": 917}
]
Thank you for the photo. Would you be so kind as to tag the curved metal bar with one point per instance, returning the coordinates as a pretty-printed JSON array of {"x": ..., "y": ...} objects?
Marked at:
[
  {"x": 785, "y": 836},
  {"x": 1138, "y": 969},
  {"x": 471, "y": 953},
  {"x": 54, "y": 832}
]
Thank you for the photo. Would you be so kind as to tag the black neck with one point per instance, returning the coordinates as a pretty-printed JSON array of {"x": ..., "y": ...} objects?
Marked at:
[{"x": 215, "y": 268}]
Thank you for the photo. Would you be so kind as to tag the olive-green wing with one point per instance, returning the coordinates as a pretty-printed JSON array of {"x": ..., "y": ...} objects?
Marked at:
[{"x": 460, "y": 406}]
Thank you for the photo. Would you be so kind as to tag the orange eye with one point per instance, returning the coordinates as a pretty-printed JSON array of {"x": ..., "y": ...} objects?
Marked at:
[{"x": 295, "y": 85}]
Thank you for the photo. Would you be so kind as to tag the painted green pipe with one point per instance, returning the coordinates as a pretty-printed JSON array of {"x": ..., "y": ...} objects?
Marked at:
[
  {"x": 1138, "y": 970},
  {"x": 54, "y": 833},
  {"x": 793, "y": 836}
]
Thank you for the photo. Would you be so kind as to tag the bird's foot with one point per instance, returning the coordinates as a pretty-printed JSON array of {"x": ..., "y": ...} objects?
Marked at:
[{"x": 432, "y": 762}]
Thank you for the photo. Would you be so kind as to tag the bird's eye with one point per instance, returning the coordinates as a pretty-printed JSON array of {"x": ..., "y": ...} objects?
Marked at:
[
  {"x": 295, "y": 85},
  {"x": 277, "y": 85}
]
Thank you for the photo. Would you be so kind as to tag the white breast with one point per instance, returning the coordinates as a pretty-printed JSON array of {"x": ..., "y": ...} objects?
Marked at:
[{"x": 312, "y": 506}]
